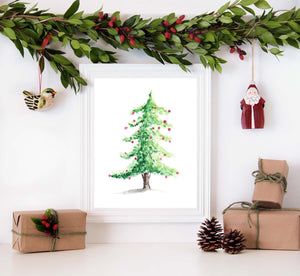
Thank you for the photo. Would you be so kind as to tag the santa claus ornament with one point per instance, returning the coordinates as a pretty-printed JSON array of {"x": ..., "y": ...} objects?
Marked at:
[{"x": 252, "y": 105}]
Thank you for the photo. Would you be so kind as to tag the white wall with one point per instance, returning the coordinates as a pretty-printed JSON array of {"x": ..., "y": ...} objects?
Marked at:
[{"x": 40, "y": 157}]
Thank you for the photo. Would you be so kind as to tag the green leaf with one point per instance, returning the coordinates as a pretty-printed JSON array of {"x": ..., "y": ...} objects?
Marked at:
[
  {"x": 37, "y": 221},
  {"x": 272, "y": 24},
  {"x": 180, "y": 27},
  {"x": 275, "y": 51},
  {"x": 75, "y": 21},
  {"x": 53, "y": 65},
  {"x": 268, "y": 38},
  {"x": 203, "y": 24},
  {"x": 76, "y": 15},
  {"x": 132, "y": 21},
  {"x": 155, "y": 22},
  {"x": 192, "y": 45},
  {"x": 104, "y": 58},
  {"x": 60, "y": 34},
  {"x": 4, "y": 7},
  {"x": 175, "y": 38},
  {"x": 225, "y": 19},
  {"x": 42, "y": 64},
  {"x": 297, "y": 14},
  {"x": 65, "y": 41},
  {"x": 72, "y": 70},
  {"x": 73, "y": 8},
  {"x": 249, "y": 10},
  {"x": 93, "y": 34},
  {"x": 238, "y": 11},
  {"x": 112, "y": 31},
  {"x": 218, "y": 67},
  {"x": 293, "y": 42},
  {"x": 19, "y": 46},
  {"x": 200, "y": 51},
  {"x": 209, "y": 37},
  {"x": 223, "y": 8},
  {"x": 10, "y": 33},
  {"x": 75, "y": 44},
  {"x": 294, "y": 26},
  {"x": 203, "y": 60},
  {"x": 81, "y": 80},
  {"x": 8, "y": 23},
  {"x": 61, "y": 59},
  {"x": 284, "y": 16},
  {"x": 85, "y": 47},
  {"x": 174, "y": 60},
  {"x": 262, "y": 4},
  {"x": 248, "y": 2}
]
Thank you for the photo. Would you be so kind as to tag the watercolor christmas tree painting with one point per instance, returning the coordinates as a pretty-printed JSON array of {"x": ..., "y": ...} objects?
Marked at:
[{"x": 147, "y": 154}]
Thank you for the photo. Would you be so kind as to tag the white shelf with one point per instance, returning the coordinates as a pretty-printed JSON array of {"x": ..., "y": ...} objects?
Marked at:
[{"x": 146, "y": 260}]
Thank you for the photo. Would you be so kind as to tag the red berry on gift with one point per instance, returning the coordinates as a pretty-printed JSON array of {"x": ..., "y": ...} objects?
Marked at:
[
  {"x": 125, "y": 152},
  {"x": 129, "y": 178},
  {"x": 173, "y": 30},
  {"x": 177, "y": 172},
  {"x": 167, "y": 35},
  {"x": 165, "y": 155},
  {"x": 154, "y": 107},
  {"x": 152, "y": 127},
  {"x": 191, "y": 36},
  {"x": 109, "y": 175},
  {"x": 100, "y": 15},
  {"x": 126, "y": 171},
  {"x": 114, "y": 19},
  {"x": 169, "y": 141},
  {"x": 150, "y": 137},
  {"x": 158, "y": 128},
  {"x": 45, "y": 217},
  {"x": 178, "y": 21},
  {"x": 117, "y": 29},
  {"x": 47, "y": 225},
  {"x": 132, "y": 42},
  {"x": 96, "y": 27},
  {"x": 44, "y": 222},
  {"x": 232, "y": 50},
  {"x": 132, "y": 142},
  {"x": 138, "y": 131},
  {"x": 181, "y": 17},
  {"x": 241, "y": 57},
  {"x": 110, "y": 24},
  {"x": 166, "y": 176},
  {"x": 132, "y": 113},
  {"x": 169, "y": 129},
  {"x": 197, "y": 32},
  {"x": 135, "y": 158},
  {"x": 163, "y": 138},
  {"x": 197, "y": 39},
  {"x": 166, "y": 23},
  {"x": 127, "y": 29},
  {"x": 165, "y": 121},
  {"x": 55, "y": 226},
  {"x": 169, "y": 110}
]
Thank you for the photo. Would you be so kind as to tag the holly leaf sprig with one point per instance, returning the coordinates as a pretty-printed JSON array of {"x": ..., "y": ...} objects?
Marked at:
[{"x": 48, "y": 224}]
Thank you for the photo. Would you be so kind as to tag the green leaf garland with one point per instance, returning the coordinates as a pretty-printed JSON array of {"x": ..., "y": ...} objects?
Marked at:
[{"x": 170, "y": 39}]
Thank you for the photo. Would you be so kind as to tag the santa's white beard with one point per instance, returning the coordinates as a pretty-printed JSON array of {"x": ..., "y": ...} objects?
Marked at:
[{"x": 252, "y": 99}]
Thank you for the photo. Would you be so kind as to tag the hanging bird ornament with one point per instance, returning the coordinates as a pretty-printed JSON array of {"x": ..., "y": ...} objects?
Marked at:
[{"x": 42, "y": 101}]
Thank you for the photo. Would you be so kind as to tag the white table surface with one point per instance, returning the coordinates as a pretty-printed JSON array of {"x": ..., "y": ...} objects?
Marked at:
[{"x": 148, "y": 259}]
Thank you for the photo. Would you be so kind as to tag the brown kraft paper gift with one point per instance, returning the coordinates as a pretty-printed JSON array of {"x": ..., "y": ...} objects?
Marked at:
[
  {"x": 270, "y": 194},
  {"x": 70, "y": 221},
  {"x": 277, "y": 229}
]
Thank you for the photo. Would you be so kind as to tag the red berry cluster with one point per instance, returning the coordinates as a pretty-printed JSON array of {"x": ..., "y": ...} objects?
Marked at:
[
  {"x": 51, "y": 225},
  {"x": 124, "y": 34},
  {"x": 194, "y": 35},
  {"x": 170, "y": 28},
  {"x": 122, "y": 31},
  {"x": 237, "y": 49}
]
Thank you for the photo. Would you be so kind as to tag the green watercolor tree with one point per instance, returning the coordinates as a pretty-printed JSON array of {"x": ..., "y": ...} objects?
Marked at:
[{"x": 147, "y": 153}]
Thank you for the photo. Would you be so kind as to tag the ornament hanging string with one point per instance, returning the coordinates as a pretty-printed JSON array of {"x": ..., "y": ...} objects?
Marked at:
[{"x": 253, "y": 45}]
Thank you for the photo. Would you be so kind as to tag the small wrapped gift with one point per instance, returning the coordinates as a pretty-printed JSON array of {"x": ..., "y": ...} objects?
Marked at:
[
  {"x": 270, "y": 183},
  {"x": 265, "y": 228},
  {"x": 36, "y": 231}
]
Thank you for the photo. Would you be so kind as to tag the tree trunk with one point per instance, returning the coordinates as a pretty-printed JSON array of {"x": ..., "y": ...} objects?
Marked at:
[{"x": 146, "y": 183}]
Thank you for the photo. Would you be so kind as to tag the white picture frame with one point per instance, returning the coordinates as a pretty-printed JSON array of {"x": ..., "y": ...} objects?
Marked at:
[{"x": 92, "y": 73}]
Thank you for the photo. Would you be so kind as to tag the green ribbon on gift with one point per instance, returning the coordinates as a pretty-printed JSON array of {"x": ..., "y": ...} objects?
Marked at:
[
  {"x": 260, "y": 176},
  {"x": 250, "y": 206}
]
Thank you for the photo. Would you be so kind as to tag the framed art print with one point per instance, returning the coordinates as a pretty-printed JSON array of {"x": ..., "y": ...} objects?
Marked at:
[{"x": 145, "y": 143}]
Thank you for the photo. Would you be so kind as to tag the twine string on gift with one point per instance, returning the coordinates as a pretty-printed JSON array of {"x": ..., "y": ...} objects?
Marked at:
[
  {"x": 260, "y": 176},
  {"x": 43, "y": 236},
  {"x": 249, "y": 206}
]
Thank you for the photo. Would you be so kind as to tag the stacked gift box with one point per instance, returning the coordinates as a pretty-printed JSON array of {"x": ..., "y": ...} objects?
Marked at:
[{"x": 264, "y": 223}]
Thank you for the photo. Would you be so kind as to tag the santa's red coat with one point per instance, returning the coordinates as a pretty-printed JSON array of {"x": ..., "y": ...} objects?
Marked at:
[{"x": 259, "y": 118}]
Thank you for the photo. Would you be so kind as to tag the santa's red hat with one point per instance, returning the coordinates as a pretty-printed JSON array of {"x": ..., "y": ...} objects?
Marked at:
[{"x": 252, "y": 85}]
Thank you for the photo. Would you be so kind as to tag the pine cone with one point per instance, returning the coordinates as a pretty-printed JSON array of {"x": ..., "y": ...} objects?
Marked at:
[
  {"x": 210, "y": 235},
  {"x": 233, "y": 242}
]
